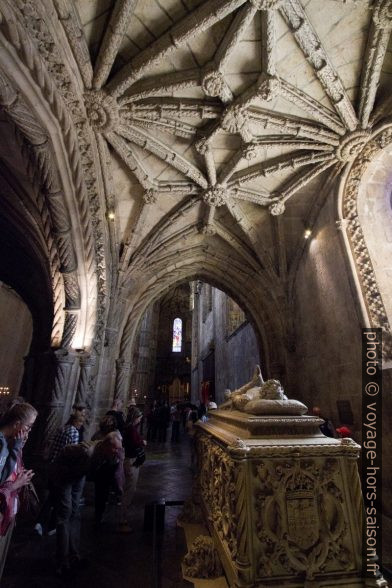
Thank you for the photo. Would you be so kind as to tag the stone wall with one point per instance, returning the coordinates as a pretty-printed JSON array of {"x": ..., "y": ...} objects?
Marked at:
[
  {"x": 235, "y": 353},
  {"x": 327, "y": 365},
  {"x": 16, "y": 331}
]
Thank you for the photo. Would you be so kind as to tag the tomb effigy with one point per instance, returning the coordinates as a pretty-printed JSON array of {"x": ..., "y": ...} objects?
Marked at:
[{"x": 281, "y": 501}]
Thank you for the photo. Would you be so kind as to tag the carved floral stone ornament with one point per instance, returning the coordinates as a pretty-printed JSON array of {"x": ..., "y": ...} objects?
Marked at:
[
  {"x": 213, "y": 84},
  {"x": 216, "y": 195},
  {"x": 277, "y": 208},
  {"x": 351, "y": 145},
  {"x": 102, "y": 110},
  {"x": 236, "y": 120},
  {"x": 150, "y": 196}
]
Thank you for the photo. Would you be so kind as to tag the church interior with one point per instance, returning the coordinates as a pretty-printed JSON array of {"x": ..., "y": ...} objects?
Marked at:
[{"x": 190, "y": 189}]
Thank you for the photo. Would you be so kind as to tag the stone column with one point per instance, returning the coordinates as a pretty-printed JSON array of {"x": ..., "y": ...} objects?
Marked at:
[
  {"x": 83, "y": 394},
  {"x": 195, "y": 384},
  {"x": 145, "y": 355},
  {"x": 123, "y": 377},
  {"x": 62, "y": 365}
]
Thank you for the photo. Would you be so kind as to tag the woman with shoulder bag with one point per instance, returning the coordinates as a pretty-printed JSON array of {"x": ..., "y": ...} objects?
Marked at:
[{"x": 134, "y": 458}]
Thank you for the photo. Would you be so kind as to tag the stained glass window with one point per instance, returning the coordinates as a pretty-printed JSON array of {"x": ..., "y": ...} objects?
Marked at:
[{"x": 177, "y": 334}]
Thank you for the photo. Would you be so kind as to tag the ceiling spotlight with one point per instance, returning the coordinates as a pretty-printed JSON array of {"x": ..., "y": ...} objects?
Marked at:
[
  {"x": 307, "y": 233},
  {"x": 111, "y": 215}
]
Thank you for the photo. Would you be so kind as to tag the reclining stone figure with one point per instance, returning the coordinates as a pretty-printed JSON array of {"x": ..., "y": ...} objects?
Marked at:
[{"x": 262, "y": 398}]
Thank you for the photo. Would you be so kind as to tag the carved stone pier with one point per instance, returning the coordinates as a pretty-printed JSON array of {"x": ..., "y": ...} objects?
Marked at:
[{"x": 282, "y": 502}]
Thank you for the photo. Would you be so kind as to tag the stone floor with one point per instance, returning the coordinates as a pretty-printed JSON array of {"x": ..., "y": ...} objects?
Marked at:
[{"x": 120, "y": 561}]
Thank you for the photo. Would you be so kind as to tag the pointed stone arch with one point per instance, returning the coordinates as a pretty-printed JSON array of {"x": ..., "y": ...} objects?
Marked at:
[
  {"x": 353, "y": 224},
  {"x": 245, "y": 287}
]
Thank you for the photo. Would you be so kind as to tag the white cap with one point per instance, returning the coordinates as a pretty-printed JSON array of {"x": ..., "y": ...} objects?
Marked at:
[{"x": 212, "y": 405}]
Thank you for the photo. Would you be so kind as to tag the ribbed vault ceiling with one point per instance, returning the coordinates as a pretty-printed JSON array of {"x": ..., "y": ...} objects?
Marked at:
[{"x": 247, "y": 105}]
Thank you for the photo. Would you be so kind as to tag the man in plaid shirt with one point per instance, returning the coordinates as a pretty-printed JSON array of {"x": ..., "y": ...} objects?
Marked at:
[{"x": 68, "y": 435}]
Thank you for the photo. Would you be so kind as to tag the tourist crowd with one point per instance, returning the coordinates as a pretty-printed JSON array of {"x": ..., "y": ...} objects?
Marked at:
[{"x": 111, "y": 461}]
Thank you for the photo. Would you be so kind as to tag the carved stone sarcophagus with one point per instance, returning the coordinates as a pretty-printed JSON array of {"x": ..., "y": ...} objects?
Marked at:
[{"x": 282, "y": 501}]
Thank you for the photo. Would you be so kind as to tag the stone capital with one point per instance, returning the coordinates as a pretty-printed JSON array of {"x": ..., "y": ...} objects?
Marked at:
[
  {"x": 64, "y": 356},
  {"x": 87, "y": 360}
]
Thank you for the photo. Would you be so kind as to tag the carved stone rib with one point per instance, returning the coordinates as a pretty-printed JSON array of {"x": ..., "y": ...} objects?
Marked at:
[
  {"x": 201, "y": 19},
  {"x": 313, "y": 107},
  {"x": 268, "y": 41},
  {"x": 281, "y": 141},
  {"x": 249, "y": 151},
  {"x": 122, "y": 12},
  {"x": 163, "y": 152},
  {"x": 252, "y": 196},
  {"x": 300, "y": 180},
  {"x": 69, "y": 18},
  {"x": 232, "y": 37},
  {"x": 207, "y": 226},
  {"x": 153, "y": 239},
  {"x": 230, "y": 166},
  {"x": 166, "y": 125},
  {"x": 174, "y": 107},
  {"x": 315, "y": 53},
  {"x": 165, "y": 84},
  {"x": 124, "y": 151},
  {"x": 292, "y": 125},
  {"x": 210, "y": 166},
  {"x": 376, "y": 48},
  {"x": 279, "y": 164},
  {"x": 256, "y": 240},
  {"x": 382, "y": 110},
  {"x": 137, "y": 231},
  {"x": 164, "y": 249}
]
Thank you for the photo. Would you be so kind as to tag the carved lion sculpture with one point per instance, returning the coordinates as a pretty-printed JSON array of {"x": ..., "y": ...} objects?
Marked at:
[{"x": 263, "y": 398}]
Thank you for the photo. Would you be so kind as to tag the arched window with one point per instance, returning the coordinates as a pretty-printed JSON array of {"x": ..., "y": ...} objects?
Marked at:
[{"x": 177, "y": 335}]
